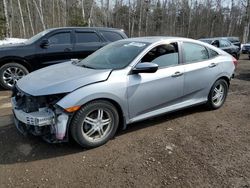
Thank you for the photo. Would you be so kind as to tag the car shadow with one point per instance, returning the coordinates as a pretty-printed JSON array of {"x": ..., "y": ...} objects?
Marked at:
[
  {"x": 16, "y": 148},
  {"x": 243, "y": 76}
]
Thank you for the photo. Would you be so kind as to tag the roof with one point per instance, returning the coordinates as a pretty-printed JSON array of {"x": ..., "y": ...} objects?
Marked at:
[
  {"x": 95, "y": 28},
  {"x": 153, "y": 39},
  {"x": 217, "y": 38}
]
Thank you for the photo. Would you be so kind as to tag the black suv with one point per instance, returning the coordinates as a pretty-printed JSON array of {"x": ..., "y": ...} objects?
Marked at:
[
  {"x": 224, "y": 44},
  {"x": 234, "y": 40},
  {"x": 50, "y": 47}
]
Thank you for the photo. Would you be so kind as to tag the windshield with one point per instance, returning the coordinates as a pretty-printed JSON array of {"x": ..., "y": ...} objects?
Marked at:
[
  {"x": 36, "y": 37},
  {"x": 116, "y": 55}
]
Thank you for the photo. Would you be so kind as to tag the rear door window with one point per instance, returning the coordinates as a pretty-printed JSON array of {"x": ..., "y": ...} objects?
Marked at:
[
  {"x": 194, "y": 52},
  {"x": 86, "y": 37},
  {"x": 111, "y": 36},
  {"x": 224, "y": 43}
]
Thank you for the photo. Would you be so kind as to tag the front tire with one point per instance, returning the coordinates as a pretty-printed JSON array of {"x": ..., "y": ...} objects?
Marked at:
[
  {"x": 10, "y": 73},
  {"x": 95, "y": 124},
  {"x": 217, "y": 94}
]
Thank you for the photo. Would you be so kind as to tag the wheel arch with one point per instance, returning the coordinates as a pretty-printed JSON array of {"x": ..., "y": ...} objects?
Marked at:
[
  {"x": 122, "y": 119},
  {"x": 15, "y": 59},
  {"x": 224, "y": 78}
]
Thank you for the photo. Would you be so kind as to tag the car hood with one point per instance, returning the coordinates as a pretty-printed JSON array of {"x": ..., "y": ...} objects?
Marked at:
[
  {"x": 60, "y": 78},
  {"x": 12, "y": 46}
]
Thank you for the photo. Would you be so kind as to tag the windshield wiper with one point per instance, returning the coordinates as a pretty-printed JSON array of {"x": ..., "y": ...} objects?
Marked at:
[
  {"x": 77, "y": 63},
  {"x": 86, "y": 66}
]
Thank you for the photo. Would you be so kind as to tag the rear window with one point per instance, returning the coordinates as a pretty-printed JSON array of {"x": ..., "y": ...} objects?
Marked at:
[
  {"x": 86, "y": 37},
  {"x": 194, "y": 52},
  {"x": 111, "y": 36},
  {"x": 212, "y": 53}
]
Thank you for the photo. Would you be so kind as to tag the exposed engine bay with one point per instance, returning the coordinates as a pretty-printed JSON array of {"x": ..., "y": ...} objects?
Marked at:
[{"x": 40, "y": 116}]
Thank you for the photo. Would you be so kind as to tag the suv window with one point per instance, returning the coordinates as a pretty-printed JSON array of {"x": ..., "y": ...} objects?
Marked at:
[
  {"x": 111, "y": 36},
  {"x": 163, "y": 55},
  {"x": 85, "y": 37},
  {"x": 224, "y": 43},
  {"x": 194, "y": 52},
  {"x": 60, "y": 38}
]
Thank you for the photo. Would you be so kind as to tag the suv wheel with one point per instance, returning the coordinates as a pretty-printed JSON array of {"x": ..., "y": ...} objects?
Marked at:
[
  {"x": 95, "y": 123},
  {"x": 10, "y": 73}
]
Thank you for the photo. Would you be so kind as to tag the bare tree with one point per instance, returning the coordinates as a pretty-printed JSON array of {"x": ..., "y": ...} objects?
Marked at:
[
  {"x": 40, "y": 12},
  {"x": 83, "y": 12},
  {"x": 58, "y": 12},
  {"x": 140, "y": 17},
  {"x": 91, "y": 12},
  {"x": 191, "y": 18},
  {"x": 6, "y": 18},
  {"x": 246, "y": 21},
  {"x": 22, "y": 20},
  {"x": 30, "y": 20},
  {"x": 229, "y": 33}
]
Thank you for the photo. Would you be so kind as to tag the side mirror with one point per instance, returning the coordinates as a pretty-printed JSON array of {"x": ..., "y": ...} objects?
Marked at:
[
  {"x": 44, "y": 43},
  {"x": 145, "y": 68},
  {"x": 216, "y": 43}
]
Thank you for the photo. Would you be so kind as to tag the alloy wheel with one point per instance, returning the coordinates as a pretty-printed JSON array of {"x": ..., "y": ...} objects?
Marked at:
[
  {"x": 97, "y": 125},
  {"x": 218, "y": 95},
  {"x": 12, "y": 74}
]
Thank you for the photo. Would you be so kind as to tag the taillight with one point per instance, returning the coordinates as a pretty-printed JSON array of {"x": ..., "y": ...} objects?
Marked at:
[{"x": 235, "y": 61}]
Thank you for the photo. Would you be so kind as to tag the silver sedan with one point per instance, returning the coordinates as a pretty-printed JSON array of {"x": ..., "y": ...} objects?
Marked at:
[{"x": 124, "y": 82}]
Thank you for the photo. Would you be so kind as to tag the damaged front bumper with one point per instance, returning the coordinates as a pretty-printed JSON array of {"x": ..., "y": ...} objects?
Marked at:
[{"x": 52, "y": 125}]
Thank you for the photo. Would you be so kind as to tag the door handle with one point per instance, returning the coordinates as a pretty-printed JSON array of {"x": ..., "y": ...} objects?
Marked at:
[
  {"x": 176, "y": 74},
  {"x": 212, "y": 65},
  {"x": 67, "y": 49}
]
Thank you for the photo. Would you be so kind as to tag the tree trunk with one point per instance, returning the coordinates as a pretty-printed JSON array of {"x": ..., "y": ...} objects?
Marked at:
[
  {"x": 58, "y": 13},
  {"x": 229, "y": 32},
  {"x": 22, "y": 20},
  {"x": 7, "y": 23},
  {"x": 90, "y": 13},
  {"x": 140, "y": 19},
  {"x": 129, "y": 19},
  {"x": 147, "y": 13},
  {"x": 189, "y": 19},
  {"x": 12, "y": 18},
  {"x": 40, "y": 13},
  {"x": 53, "y": 13},
  {"x": 83, "y": 12},
  {"x": 31, "y": 24},
  {"x": 246, "y": 33},
  {"x": 107, "y": 14},
  {"x": 132, "y": 26},
  {"x": 247, "y": 23}
]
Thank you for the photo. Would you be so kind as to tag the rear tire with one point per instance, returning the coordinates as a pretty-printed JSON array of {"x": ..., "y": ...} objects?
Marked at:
[
  {"x": 10, "y": 73},
  {"x": 217, "y": 94},
  {"x": 95, "y": 124}
]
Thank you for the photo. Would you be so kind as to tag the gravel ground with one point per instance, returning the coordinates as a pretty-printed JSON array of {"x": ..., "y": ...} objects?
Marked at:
[{"x": 189, "y": 148}]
